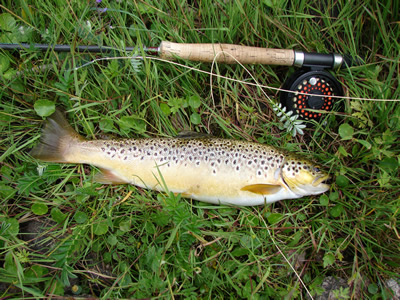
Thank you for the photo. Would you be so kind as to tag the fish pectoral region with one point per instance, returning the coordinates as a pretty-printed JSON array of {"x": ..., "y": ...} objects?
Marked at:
[{"x": 262, "y": 189}]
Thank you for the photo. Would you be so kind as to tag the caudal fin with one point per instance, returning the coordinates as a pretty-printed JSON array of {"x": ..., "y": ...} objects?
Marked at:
[{"x": 57, "y": 140}]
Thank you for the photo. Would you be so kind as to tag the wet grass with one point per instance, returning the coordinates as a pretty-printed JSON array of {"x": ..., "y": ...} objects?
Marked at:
[{"x": 63, "y": 234}]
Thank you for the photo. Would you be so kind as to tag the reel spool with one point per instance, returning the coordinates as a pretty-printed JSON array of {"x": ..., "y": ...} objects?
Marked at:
[{"x": 310, "y": 81}]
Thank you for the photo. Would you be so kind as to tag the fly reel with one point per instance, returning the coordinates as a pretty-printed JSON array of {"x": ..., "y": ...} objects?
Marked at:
[{"x": 312, "y": 91}]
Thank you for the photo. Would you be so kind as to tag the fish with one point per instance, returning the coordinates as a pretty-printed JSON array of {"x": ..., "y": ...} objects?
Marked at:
[{"x": 205, "y": 168}]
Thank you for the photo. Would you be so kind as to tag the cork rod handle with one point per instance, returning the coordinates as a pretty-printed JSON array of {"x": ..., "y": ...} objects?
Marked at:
[{"x": 244, "y": 54}]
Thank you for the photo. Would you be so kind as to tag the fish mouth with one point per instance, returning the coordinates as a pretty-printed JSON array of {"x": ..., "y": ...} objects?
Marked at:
[{"x": 325, "y": 180}]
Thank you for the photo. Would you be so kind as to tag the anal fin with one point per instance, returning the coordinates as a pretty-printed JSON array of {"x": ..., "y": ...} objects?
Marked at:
[
  {"x": 262, "y": 189},
  {"x": 108, "y": 177}
]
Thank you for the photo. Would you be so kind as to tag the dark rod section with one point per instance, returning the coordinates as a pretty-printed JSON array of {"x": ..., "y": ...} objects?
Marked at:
[
  {"x": 331, "y": 61},
  {"x": 318, "y": 59},
  {"x": 67, "y": 48}
]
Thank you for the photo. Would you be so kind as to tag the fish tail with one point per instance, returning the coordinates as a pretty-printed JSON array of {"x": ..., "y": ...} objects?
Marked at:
[{"x": 57, "y": 140}]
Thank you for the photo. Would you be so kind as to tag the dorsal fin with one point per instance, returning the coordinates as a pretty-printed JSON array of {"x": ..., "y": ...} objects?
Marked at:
[{"x": 187, "y": 134}]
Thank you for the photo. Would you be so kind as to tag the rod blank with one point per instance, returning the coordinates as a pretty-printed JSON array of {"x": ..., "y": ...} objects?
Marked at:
[
  {"x": 61, "y": 48},
  {"x": 223, "y": 53}
]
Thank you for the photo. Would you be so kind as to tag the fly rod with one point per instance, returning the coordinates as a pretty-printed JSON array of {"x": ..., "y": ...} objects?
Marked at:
[
  {"x": 206, "y": 53},
  {"x": 312, "y": 78}
]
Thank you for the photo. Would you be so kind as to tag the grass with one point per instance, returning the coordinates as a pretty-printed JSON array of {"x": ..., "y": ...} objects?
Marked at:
[{"x": 62, "y": 234}]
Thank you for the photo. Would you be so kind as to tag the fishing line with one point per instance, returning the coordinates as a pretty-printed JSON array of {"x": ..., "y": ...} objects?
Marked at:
[
  {"x": 296, "y": 93},
  {"x": 240, "y": 64},
  {"x": 284, "y": 257},
  {"x": 228, "y": 78}
]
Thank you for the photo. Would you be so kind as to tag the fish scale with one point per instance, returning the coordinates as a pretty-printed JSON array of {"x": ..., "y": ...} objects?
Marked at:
[{"x": 209, "y": 169}]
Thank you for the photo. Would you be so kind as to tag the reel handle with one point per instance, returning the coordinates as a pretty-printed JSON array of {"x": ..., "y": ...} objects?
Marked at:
[{"x": 244, "y": 54}]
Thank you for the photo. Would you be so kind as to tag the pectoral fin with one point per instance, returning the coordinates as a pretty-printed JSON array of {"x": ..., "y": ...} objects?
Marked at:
[
  {"x": 108, "y": 177},
  {"x": 262, "y": 189}
]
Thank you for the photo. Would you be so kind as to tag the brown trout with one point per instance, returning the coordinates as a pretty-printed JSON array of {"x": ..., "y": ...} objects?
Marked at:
[{"x": 214, "y": 170}]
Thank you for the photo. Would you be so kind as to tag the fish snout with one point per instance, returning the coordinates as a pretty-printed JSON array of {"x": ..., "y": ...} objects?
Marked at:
[{"x": 324, "y": 180}]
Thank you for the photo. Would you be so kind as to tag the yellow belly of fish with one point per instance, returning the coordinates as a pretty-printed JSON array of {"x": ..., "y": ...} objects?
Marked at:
[{"x": 193, "y": 181}]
